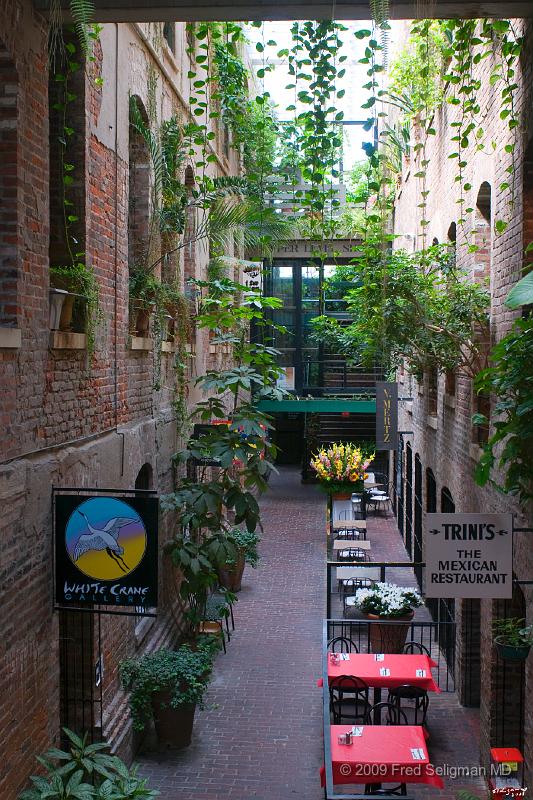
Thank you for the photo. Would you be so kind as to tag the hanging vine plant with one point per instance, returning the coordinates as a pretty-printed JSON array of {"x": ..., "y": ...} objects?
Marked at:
[{"x": 69, "y": 58}]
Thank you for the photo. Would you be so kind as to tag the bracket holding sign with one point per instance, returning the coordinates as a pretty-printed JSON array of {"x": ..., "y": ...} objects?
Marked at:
[
  {"x": 469, "y": 555},
  {"x": 106, "y": 551}
]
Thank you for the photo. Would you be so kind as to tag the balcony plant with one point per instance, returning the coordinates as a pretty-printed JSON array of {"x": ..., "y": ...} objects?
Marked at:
[
  {"x": 513, "y": 638},
  {"x": 230, "y": 574},
  {"x": 168, "y": 686},
  {"x": 341, "y": 469},
  {"x": 86, "y": 771},
  {"x": 388, "y": 602}
]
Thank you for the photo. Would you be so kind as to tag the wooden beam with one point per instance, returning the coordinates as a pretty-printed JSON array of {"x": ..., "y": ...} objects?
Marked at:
[{"x": 197, "y": 10}]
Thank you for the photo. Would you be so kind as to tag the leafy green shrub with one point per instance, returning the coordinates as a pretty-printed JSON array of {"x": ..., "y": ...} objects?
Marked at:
[
  {"x": 184, "y": 672},
  {"x": 86, "y": 772},
  {"x": 245, "y": 541}
]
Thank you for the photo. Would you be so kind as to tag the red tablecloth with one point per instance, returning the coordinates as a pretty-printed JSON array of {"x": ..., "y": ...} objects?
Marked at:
[
  {"x": 382, "y": 754},
  {"x": 403, "y": 670}
]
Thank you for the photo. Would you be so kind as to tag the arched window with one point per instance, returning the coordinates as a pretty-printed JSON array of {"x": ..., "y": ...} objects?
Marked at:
[
  {"x": 417, "y": 527},
  {"x": 145, "y": 477},
  {"x": 138, "y": 190},
  {"x": 169, "y": 35},
  {"x": 431, "y": 492},
  {"x": 483, "y": 232},
  {"x": 408, "y": 497},
  {"x": 8, "y": 190},
  {"x": 433, "y": 391},
  {"x": 189, "y": 255},
  {"x": 483, "y": 239},
  {"x": 447, "y": 505},
  {"x": 528, "y": 208}
]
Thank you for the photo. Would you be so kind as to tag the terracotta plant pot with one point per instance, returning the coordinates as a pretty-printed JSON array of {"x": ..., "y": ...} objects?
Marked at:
[
  {"x": 57, "y": 299},
  {"x": 388, "y": 637},
  {"x": 231, "y": 576},
  {"x": 341, "y": 496},
  {"x": 65, "y": 320},
  {"x": 173, "y": 725}
]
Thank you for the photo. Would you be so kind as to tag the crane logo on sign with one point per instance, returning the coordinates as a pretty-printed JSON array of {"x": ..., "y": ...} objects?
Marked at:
[
  {"x": 105, "y": 538},
  {"x": 469, "y": 555}
]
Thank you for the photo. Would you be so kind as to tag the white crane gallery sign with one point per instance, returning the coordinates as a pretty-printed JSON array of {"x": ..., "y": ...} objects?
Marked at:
[
  {"x": 469, "y": 555},
  {"x": 106, "y": 550}
]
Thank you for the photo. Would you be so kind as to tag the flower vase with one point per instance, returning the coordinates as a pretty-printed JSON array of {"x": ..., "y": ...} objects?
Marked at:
[{"x": 389, "y": 636}]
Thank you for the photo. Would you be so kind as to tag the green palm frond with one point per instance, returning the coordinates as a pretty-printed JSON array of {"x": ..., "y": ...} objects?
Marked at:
[{"x": 259, "y": 228}]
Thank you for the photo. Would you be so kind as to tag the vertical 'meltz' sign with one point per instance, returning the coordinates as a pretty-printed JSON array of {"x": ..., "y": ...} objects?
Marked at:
[{"x": 386, "y": 415}]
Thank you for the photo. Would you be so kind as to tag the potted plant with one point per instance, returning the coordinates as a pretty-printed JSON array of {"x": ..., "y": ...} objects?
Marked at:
[
  {"x": 197, "y": 563},
  {"x": 168, "y": 685},
  {"x": 341, "y": 469},
  {"x": 85, "y": 771},
  {"x": 71, "y": 287},
  {"x": 513, "y": 638},
  {"x": 388, "y": 602},
  {"x": 230, "y": 574},
  {"x": 143, "y": 292}
]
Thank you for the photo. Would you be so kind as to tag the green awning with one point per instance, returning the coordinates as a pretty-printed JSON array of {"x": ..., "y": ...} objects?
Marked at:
[{"x": 318, "y": 404}]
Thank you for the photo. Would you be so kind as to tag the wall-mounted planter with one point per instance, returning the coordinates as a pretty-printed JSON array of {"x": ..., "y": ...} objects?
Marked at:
[
  {"x": 511, "y": 652},
  {"x": 57, "y": 300},
  {"x": 140, "y": 316},
  {"x": 141, "y": 343}
]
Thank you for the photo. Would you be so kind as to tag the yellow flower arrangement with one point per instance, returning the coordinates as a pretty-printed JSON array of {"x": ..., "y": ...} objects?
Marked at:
[{"x": 341, "y": 465}]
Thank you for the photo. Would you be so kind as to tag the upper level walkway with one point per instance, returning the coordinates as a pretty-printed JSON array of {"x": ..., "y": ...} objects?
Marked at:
[{"x": 260, "y": 736}]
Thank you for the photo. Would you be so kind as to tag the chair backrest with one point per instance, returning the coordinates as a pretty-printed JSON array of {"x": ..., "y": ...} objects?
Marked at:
[
  {"x": 395, "y": 715},
  {"x": 408, "y": 692},
  {"x": 344, "y": 645},
  {"x": 416, "y": 648},
  {"x": 352, "y": 554},
  {"x": 352, "y": 584}
]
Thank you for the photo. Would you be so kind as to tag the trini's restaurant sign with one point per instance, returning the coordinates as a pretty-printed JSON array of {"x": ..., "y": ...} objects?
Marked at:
[{"x": 469, "y": 555}]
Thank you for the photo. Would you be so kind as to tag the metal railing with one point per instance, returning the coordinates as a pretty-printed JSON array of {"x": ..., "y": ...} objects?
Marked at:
[
  {"x": 336, "y": 374},
  {"x": 359, "y": 632}
]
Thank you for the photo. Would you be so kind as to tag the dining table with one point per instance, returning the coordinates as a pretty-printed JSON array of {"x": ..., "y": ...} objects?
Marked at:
[
  {"x": 385, "y": 670},
  {"x": 381, "y": 754},
  {"x": 343, "y": 544}
]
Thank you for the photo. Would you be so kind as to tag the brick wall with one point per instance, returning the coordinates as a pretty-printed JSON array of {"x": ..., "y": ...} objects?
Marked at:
[
  {"x": 445, "y": 442},
  {"x": 66, "y": 422}
]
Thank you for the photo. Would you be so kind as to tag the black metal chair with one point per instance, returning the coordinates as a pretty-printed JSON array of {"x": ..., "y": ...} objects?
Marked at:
[
  {"x": 415, "y": 648},
  {"x": 344, "y": 643},
  {"x": 348, "y": 699},
  {"x": 348, "y": 534},
  {"x": 395, "y": 715},
  {"x": 416, "y": 702},
  {"x": 349, "y": 587},
  {"x": 373, "y": 789},
  {"x": 352, "y": 554}
]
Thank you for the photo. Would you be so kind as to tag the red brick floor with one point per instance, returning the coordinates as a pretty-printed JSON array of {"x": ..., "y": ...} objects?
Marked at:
[{"x": 260, "y": 736}]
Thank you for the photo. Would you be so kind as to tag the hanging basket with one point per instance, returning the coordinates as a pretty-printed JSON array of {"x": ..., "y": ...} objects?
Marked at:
[{"x": 511, "y": 652}]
